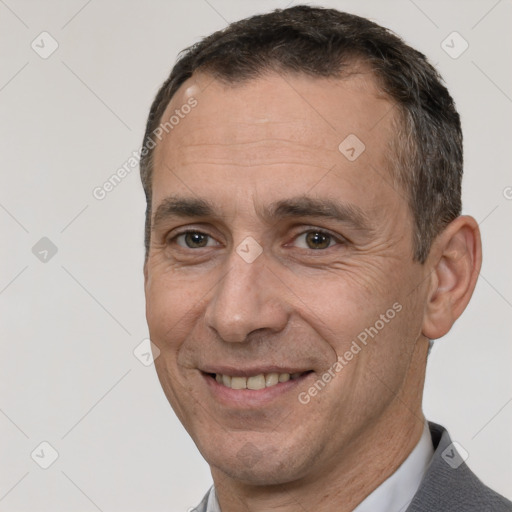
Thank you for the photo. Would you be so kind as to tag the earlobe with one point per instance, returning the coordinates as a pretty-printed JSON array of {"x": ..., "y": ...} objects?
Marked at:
[{"x": 455, "y": 261}]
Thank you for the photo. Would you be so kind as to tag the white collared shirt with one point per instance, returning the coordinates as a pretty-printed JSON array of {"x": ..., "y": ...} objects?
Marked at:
[{"x": 394, "y": 494}]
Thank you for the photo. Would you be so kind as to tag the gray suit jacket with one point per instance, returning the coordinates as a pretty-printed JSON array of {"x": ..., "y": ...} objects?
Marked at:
[{"x": 448, "y": 485}]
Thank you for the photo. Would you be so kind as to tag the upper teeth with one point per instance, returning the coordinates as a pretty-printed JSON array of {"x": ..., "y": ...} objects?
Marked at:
[{"x": 263, "y": 380}]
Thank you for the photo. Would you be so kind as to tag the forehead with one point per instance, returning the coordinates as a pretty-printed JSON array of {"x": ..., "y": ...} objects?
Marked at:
[{"x": 290, "y": 130}]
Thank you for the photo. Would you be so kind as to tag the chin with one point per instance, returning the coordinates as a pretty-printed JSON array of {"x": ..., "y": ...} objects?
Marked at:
[
  {"x": 267, "y": 475},
  {"x": 256, "y": 466}
]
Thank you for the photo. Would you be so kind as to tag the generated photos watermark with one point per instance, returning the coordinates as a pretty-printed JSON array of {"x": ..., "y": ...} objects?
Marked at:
[
  {"x": 100, "y": 192},
  {"x": 356, "y": 346}
]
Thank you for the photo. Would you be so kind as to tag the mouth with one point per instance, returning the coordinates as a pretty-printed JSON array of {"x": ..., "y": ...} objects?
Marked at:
[
  {"x": 235, "y": 388},
  {"x": 255, "y": 382}
]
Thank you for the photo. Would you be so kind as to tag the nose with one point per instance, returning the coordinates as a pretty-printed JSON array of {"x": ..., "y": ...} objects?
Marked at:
[{"x": 247, "y": 299}]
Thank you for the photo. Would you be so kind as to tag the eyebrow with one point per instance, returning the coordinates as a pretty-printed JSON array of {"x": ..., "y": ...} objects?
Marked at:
[
  {"x": 304, "y": 206},
  {"x": 295, "y": 207},
  {"x": 182, "y": 207}
]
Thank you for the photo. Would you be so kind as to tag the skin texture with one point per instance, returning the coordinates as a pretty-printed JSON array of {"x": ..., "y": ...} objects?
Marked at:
[{"x": 243, "y": 148}]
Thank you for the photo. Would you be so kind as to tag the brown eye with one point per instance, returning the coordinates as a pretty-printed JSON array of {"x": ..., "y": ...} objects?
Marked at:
[
  {"x": 315, "y": 240},
  {"x": 194, "y": 240}
]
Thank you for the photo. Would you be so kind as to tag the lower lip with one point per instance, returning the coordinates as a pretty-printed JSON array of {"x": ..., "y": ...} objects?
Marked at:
[{"x": 249, "y": 398}]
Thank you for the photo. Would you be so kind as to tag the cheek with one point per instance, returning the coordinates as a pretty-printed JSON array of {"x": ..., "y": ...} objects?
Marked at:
[
  {"x": 338, "y": 305},
  {"x": 171, "y": 310},
  {"x": 372, "y": 328},
  {"x": 170, "y": 305}
]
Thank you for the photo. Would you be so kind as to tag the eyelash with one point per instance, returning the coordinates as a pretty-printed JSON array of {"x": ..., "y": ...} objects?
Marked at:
[{"x": 336, "y": 238}]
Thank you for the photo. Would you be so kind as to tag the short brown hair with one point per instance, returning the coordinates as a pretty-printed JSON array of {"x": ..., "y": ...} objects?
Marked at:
[{"x": 427, "y": 148}]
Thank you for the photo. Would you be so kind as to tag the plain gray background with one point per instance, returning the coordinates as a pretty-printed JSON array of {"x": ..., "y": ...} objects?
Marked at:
[{"x": 70, "y": 323}]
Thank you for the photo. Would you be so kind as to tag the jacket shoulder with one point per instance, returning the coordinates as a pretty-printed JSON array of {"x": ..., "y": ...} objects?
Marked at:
[{"x": 450, "y": 486}]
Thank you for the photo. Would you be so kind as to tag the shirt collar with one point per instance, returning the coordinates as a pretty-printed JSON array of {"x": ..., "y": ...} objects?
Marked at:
[
  {"x": 213, "y": 503},
  {"x": 396, "y": 492}
]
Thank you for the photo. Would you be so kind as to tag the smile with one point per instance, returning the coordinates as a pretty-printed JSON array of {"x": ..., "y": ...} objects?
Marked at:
[{"x": 255, "y": 382}]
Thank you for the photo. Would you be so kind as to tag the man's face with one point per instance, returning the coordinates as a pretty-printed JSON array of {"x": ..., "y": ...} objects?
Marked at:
[{"x": 335, "y": 237}]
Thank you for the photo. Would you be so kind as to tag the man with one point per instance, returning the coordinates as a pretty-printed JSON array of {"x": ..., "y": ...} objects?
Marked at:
[{"x": 304, "y": 245}]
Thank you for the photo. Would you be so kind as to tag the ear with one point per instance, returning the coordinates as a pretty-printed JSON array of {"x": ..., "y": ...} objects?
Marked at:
[{"x": 454, "y": 261}]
